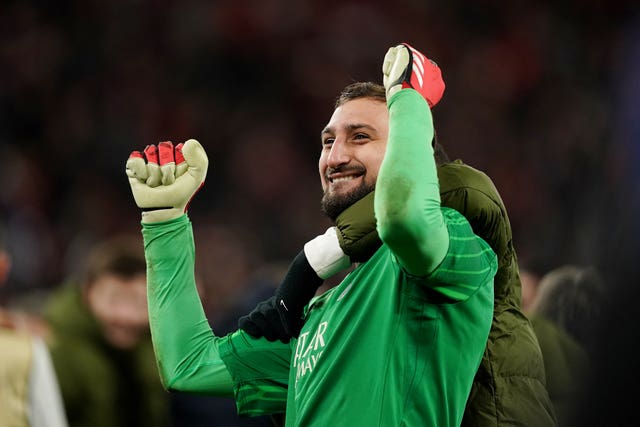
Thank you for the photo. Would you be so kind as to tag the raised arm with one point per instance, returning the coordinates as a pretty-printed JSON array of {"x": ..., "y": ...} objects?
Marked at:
[
  {"x": 407, "y": 198},
  {"x": 185, "y": 346}
]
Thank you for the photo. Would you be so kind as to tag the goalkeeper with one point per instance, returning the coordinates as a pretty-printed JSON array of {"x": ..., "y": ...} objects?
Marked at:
[
  {"x": 509, "y": 387},
  {"x": 399, "y": 340}
]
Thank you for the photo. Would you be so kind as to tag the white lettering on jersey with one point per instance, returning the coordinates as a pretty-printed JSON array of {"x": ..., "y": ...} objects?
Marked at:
[{"x": 308, "y": 351}]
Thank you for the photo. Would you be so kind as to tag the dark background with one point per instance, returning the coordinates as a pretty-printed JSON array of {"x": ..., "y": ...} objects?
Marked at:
[{"x": 541, "y": 95}]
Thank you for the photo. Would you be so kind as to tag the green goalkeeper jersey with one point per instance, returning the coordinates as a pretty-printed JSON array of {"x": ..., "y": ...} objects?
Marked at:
[{"x": 386, "y": 347}]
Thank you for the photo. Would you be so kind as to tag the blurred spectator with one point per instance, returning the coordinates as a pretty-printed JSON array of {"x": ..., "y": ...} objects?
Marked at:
[
  {"x": 574, "y": 298},
  {"x": 29, "y": 391},
  {"x": 566, "y": 316},
  {"x": 101, "y": 344},
  {"x": 530, "y": 283},
  {"x": 532, "y": 269}
]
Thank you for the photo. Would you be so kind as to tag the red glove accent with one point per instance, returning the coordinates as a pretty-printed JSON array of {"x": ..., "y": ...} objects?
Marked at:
[
  {"x": 425, "y": 76},
  {"x": 151, "y": 152},
  {"x": 166, "y": 152},
  {"x": 179, "y": 155}
]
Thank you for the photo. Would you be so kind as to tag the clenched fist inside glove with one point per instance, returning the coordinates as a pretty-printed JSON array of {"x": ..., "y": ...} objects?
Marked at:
[
  {"x": 405, "y": 67},
  {"x": 165, "y": 178}
]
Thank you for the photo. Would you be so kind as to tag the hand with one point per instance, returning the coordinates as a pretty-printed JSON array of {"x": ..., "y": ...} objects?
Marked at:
[
  {"x": 267, "y": 321},
  {"x": 281, "y": 317},
  {"x": 164, "y": 185},
  {"x": 356, "y": 230},
  {"x": 405, "y": 67}
]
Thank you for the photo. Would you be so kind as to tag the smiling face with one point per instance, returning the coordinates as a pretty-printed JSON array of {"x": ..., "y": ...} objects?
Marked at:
[
  {"x": 120, "y": 306},
  {"x": 353, "y": 146}
]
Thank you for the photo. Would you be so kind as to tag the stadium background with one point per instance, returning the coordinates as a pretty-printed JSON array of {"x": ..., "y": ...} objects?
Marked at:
[{"x": 540, "y": 95}]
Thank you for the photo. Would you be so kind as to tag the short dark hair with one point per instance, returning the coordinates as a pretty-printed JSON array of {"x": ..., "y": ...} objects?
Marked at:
[
  {"x": 361, "y": 90},
  {"x": 574, "y": 298},
  {"x": 121, "y": 255}
]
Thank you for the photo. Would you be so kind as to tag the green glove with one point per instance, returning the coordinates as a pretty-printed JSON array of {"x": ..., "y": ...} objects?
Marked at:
[
  {"x": 356, "y": 229},
  {"x": 164, "y": 185}
]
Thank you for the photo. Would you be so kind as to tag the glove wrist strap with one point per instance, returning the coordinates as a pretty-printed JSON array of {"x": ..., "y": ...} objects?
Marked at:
[{"x": 161, "y": 215}]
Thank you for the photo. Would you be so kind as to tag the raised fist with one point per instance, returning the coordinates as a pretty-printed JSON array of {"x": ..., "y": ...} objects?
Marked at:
[
  {"x": 165, "y": 178},
  {"x": 405, "y": 67}
]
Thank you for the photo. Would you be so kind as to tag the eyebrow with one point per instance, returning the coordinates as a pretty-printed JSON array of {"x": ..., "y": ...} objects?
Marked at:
[{"x": 349, "y": 128}]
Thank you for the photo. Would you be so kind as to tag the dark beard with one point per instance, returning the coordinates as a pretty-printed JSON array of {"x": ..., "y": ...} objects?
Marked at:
[{"x": 334, "y": 205}]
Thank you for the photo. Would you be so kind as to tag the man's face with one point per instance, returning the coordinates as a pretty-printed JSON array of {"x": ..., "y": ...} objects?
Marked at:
[
  {"x": 353, "y": 146},
  {"x": 120, "y": 305}
]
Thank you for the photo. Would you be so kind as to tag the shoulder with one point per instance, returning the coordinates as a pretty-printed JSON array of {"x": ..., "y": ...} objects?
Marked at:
[
  {"x": 469, "y": 191},
  {"x": 456, "y": 176},
  {"x": 66, "y": 307},
  {"x": 564, "y": 357},
  {"x": 466, "y": 247},
  {"x": 468, "y": 265}
]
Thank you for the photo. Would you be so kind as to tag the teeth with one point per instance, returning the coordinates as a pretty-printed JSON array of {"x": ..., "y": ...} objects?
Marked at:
[{"x": 343, "y": 178}]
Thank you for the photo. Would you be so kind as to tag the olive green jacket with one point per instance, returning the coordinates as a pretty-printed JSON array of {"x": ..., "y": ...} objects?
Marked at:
[
  {"x": 101, "y": 385},
  {"x": 510, "y": 386}
]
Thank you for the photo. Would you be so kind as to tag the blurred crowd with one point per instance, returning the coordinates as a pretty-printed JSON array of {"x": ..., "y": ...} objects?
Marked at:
[{"x": 542, "y": 96}]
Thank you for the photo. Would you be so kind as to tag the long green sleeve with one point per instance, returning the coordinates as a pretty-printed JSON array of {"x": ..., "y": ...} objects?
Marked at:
[
  {"x": 185, "y": 346},
  {"x": 407, "y": 200}
]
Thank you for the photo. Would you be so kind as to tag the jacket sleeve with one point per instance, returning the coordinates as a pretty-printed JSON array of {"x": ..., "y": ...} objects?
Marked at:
[{"x": 407, "y": 200}]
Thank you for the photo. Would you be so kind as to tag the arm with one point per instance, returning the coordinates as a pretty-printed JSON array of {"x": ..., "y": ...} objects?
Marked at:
[
  {"x": 186, "y": 348},
  {"x": 190, "y": 357},
  {"x": 281, "y": 317},
  {"x": 407, "y": 199}
]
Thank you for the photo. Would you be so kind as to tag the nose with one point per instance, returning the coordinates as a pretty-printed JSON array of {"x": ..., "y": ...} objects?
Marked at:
[{"x": 339, "y": 154}]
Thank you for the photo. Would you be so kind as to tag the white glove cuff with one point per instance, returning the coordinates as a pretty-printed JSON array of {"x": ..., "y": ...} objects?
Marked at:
[
  {"x": 160, "y": 215},
  {"x": 325, "y": 255}
]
